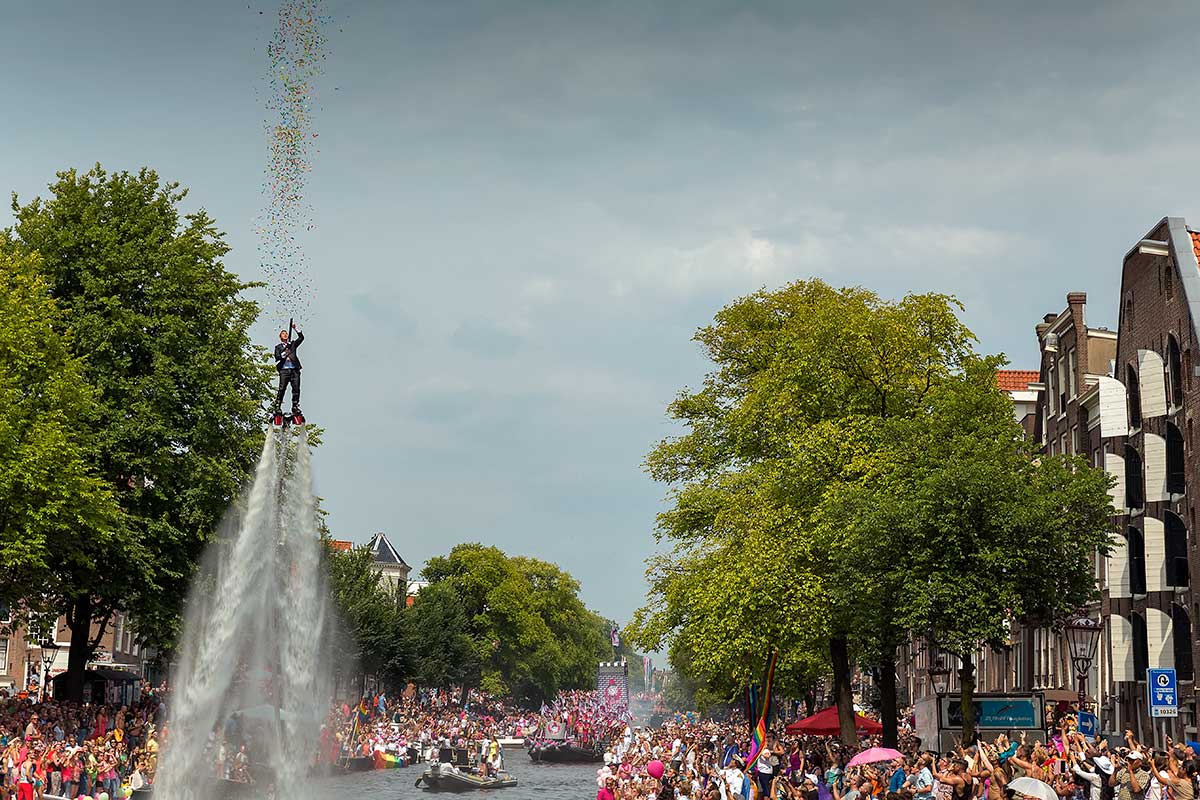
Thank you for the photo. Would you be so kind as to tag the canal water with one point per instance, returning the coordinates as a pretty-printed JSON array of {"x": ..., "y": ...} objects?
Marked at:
[{"x": 540, "y": 781}]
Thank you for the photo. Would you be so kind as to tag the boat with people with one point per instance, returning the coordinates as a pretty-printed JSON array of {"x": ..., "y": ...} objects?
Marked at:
[
  {"x": 563, "y": 752},
  {"x": 444, "y": 777}
]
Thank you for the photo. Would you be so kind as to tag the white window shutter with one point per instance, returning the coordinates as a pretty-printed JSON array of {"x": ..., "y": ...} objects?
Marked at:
[
  {"x": 1115, "y": 465},
  {"x": 1153, "y": 384},
  {"x": 1120, "y": 637},
  {"x": 1155, "y": 539},
  {"x": 1154, "y": 459},
  {"x": 1114, "y": 414},
  {"x": 1158, "y": 639}
]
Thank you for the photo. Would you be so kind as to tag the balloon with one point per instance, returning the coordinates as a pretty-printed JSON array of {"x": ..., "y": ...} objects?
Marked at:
[{"x": 655, "y": 768}]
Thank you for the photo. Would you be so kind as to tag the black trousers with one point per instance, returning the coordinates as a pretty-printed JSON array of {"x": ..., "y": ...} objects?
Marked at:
[{"x": 288, "y": 376}]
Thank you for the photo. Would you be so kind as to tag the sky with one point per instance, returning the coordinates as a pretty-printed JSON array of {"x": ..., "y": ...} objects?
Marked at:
[{"x": 523, "y": 210}]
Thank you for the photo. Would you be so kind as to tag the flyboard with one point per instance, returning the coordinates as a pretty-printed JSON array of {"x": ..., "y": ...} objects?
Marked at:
[{"x": 278, "y": 418}]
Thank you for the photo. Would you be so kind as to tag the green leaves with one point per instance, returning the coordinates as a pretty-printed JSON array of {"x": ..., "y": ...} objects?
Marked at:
[
  {"x": 166, "y": 375},
  {"x": 50, "y": 493},
  {"x": 850, "y": 469},
  {"x": 532, "y": 634}
]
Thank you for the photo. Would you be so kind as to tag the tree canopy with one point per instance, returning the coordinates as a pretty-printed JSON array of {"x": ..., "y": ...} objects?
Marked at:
[
  {"x": 844, "y": 456},
  {"x": 159, "y": 329},
  {"x": 532, "y": 634}
]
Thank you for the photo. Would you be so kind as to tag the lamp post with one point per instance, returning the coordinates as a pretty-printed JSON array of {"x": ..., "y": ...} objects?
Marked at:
[
  {"x": 939, "y": 676},
  {"x": 1083, "y": 636},
  {"x": 49, "y": 651}
]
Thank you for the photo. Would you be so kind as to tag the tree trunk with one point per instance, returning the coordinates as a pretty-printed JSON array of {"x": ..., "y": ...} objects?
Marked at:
[
  {"x": 966, "y": 678},
  {"x": 839, "y": 657},
  {"x": 79, "y": 619},
  {"x": 886, "y": 679}
]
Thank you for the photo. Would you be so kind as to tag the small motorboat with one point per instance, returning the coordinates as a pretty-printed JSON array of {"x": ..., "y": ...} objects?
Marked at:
[{"x": 443, "y": 777}]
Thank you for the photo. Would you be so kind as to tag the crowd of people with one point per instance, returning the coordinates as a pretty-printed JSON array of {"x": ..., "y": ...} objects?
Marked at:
[
  {"x": 688, "y": 760},
  {"x": 417, "y": 724},
  {"x": 77, "y": 750}
]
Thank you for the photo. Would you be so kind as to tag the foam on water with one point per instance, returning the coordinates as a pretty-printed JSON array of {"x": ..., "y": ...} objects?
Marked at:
[{"x": 252, "y": 666}]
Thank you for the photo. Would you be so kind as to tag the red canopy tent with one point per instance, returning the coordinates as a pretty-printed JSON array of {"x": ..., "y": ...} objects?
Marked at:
[{"x": 825, "y": 723}]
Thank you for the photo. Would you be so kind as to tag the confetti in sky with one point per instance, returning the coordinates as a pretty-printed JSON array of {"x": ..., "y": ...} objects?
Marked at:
[{"x": 297, "y": 54}]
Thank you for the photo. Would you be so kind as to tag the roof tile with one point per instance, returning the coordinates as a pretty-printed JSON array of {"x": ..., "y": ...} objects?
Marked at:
[{"x": 1016, "y": 380}]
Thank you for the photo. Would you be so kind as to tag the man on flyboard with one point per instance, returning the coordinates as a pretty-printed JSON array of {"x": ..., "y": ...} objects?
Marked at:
[{"x": 288, "y": 365}]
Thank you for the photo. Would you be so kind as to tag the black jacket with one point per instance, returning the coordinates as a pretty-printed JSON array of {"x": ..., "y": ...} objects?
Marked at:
[{"x": 281, "y": 352}]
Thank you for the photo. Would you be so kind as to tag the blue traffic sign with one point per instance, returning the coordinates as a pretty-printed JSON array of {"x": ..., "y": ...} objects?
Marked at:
[
  {"x": 1161, "y": 686},
  {"x": 1089, "y": 724}
]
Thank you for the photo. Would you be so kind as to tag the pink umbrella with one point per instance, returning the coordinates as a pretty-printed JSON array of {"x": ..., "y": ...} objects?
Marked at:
[{"x": 874, "y": 755}]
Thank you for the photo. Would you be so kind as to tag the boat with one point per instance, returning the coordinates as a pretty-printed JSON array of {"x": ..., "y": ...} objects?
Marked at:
[
  {"x": 358, "y": 764},
  {"x": 564, "y": 753},
  {"x": 444, "y": 777}
]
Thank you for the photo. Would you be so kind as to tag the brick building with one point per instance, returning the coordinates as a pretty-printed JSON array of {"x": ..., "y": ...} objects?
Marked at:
[
  {"x": 1075, "y": 364},
  {"x": 1146, "y": 439}
]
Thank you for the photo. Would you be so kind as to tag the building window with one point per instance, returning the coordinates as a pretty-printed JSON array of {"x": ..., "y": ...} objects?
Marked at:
[
  {"x": 1071, "y": 373},
  {"x": 1137, "y": 561},
  {"x": 1174, "y": 372},
  {"x": 1135, "y": 487},
  {"x": 1187, "y": 368},
  {"x": 1181, "y": 638},
  {"x": 1062, "y": 444},
  {"x": 1051, "y": 394},
  {"x": 1141, "y": 653},
  {"x": 1169, "y": 278},
  {"x": 1175, "y": 460},
  {"x": 5, "y": 612},
  {"x": 1175, "y": 548},
  {"x": 1063, "y": 381},
  {"x": 1075, "y": 448},
  {"x": 1134, "y": 393}
]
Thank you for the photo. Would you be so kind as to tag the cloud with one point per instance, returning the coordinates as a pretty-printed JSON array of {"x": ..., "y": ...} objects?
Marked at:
[{"x": 482, "y": 337}]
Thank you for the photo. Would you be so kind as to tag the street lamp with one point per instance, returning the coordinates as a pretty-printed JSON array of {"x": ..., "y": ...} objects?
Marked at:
[
  {"x": 1083, "y": 636},
  {"x": 49, "y": 651},
  {"x": 939, "y": 676}
]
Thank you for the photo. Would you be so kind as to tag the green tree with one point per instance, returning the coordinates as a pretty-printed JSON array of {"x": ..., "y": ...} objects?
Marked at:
[
  {"x": 161, "y": 330},
  {"x": 49, "y": 488},
  {"x": 374, "y": 623},
  {"x": 446, "y": 654},
  {"x": 532, "y": 635},
  {"x": 997, "y": 535},
  {"x": 818, "y": 400}
]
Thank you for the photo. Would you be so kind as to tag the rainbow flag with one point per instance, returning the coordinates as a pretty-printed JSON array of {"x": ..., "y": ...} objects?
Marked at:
[{"x": 758, "y": 711}]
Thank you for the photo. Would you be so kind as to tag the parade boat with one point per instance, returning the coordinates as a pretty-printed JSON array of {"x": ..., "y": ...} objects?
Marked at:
[
  {"x": 553, "y": 752},
  {"x": 358, "y": 764},
  {"x": 443, "y": 777}
]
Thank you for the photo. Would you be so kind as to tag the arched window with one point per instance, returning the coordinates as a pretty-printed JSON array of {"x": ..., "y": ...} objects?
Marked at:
[
  {"x": 1141, "y": 652},
  {"x": 1175, "y": 548},
  {"x": 1137, "y": 561},
  {"x": 1133, "y": 391},
  {"x": 1181, "y": 638},
  {"x": 1135, "y": 482},
  {"x": 1174, "y": 371},
  {"x": 1175, "y": 472}
]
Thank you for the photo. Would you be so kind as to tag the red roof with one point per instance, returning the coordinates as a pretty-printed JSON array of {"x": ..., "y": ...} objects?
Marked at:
[
  {"x": 340, "y": 546},
  {"x": 1016, "y": 380}
]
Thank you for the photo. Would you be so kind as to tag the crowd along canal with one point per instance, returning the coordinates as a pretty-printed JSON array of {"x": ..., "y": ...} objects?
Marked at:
[{"x": 534, "y": 781}]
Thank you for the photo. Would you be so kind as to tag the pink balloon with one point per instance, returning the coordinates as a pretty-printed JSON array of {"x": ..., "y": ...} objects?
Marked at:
[{"x": 655, "y": 768}]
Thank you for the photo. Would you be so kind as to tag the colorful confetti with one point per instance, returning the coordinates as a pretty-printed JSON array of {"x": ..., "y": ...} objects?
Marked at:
[{"x": 297, "y": 53}]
